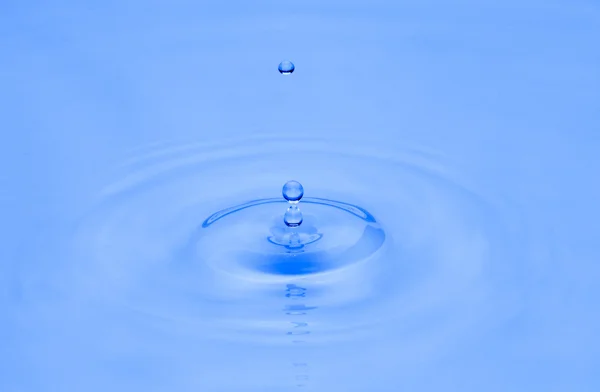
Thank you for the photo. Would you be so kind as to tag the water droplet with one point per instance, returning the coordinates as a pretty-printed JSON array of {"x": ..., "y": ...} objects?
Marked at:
[
  {"x": 286, "y": 67},
  {"x": 293, "y": 216},
  {"x": 293, "y": 191}
]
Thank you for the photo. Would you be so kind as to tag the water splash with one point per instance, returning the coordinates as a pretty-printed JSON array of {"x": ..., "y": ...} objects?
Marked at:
[
  {"x": 300, "y": 248},
  {"x": 163, "y": 243}
]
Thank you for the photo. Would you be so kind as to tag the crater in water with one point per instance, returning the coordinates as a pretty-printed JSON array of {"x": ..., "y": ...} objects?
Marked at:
[{"x": 253, "y": 238}]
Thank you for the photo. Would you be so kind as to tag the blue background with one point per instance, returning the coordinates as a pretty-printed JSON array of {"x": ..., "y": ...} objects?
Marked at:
[{"x": 509, "y": 91}]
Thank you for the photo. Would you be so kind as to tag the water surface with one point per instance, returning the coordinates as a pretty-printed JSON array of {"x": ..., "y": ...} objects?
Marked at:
[{"x": 467, "y": 131}]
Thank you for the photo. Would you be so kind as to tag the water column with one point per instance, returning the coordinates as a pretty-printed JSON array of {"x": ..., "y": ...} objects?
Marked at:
[{"x": 293, "y": 191}]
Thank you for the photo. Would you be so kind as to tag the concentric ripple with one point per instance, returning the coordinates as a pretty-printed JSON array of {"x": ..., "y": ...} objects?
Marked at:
[
  {"x": 193, "y": 234},
  {"x": 256, "y": 243}
]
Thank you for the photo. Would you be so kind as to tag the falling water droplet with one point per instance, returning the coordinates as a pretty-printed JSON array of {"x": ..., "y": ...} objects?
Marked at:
[
  {"x": 293, "y": 191},
  {"x": 286, "y": 67}
]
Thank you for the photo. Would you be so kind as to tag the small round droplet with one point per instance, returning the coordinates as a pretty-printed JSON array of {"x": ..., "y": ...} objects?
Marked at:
[
  {"x": 293, "y": 191},
  {"x": 293, "y": 216},
  {"x": 286, "y": 67}
]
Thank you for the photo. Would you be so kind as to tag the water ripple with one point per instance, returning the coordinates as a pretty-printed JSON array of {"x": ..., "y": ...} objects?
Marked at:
[{"x": 427, "y": 243}]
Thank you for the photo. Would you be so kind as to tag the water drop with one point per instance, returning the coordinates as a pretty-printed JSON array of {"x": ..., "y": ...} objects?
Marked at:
[
  {"x": 293, "y": 191},
  {"x": 286, "y": 67},
  {"x": 293, "y": 216}
]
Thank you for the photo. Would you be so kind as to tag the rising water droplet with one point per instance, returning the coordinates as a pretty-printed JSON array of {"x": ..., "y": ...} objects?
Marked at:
[
  {"x": 293, "y": 216},
  {"x": 293, "y": 191},
  {"x": 286, "y": 67}
]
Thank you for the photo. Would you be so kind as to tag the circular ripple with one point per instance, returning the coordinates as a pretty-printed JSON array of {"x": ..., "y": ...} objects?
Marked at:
[
  {"x": 252, "y": 240},
  {"x": 398, "y": 238}
]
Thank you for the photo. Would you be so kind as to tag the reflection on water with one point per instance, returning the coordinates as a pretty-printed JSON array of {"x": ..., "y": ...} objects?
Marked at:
[{"x": 299, "y": 330}]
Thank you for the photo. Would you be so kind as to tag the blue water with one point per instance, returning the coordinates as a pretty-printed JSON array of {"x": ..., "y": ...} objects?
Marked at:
[{"x": 448, "y": 155}]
